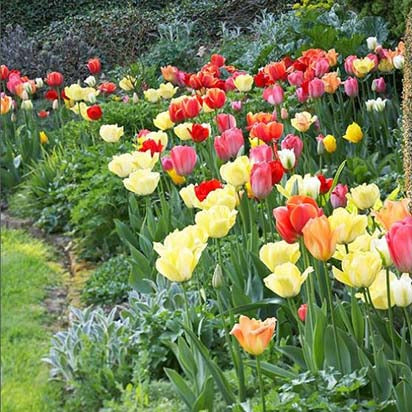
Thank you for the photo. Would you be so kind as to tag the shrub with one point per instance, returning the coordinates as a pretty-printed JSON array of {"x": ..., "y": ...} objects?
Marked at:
[{"x": 109, "y": 283}]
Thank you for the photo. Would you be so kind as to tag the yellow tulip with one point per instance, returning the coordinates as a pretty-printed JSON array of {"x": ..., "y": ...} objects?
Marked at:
[
  {"x": 167, "y": 90},
  {"x": 111, "y": 133},
  {"x": 158, "y": 137},
  {"x": 145, "y": 160},
  {"x": 142, "y": 182},
  {"x": 385, "y": 65},
  {"x": 287, "y": 280},
  {"x": 74, "y": 92},
  {"x": 362, "y": 67},
  {"x": 182, "y": 131},
  {"x": 362, "y": 243},
  {"x": 243, "y": 82},
  {"x": 365, "y": 196},
  {"x": 176, "y": 179},
  {"x": 162, "y": 121},
  {"x": 302, "y": 121},
  {"x": 378, "y": 291},
  {"x": 275, "y": 254},
  {"x": 122, "y": 165},
  {"x": 151, "y": 95},
  {"x": 127, "y": 83},
  {"x": 359, "y": 269},
  {"x": 43, "y": 137},
  {"x": 348, "y": 225},
  {"x": 216, "y": 221},
  {"x": 237, "y": 172},
  {"x": 353, "y": 133},
  {"x": 226, "y": 196},
  {"x": 329, "y": 143},
  {"x": 254, "y": 142},
  {"x": 188, "y": 196}
]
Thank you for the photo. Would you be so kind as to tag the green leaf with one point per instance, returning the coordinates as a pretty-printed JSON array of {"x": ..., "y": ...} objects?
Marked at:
[
  {"x": 181, "y": 387},
  {"x": 336, "y": 179},
  {"x": 256, "y": 305},
  {"x": 205, "y": 399},
  {"x": 293, "y": 353},
  {"x": 272, "y": 371}
]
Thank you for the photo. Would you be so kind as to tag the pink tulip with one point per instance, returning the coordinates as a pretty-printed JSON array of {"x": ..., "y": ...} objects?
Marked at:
[
  {"x": 399, "y": 239},
  {"x": 374, "y": 58},
  {"x": 296, "y": 78},
  {"x": 321, "y": 67},
  {"x": 338, "y": 196},
  {"x": 316, "y": 88},
  {"x": 274, "y": 94},
  {"x": 302, "y": 311},
  {"x": 14, "y": 80},
  {"x": 229, "y": 143},
  {"x": 261, "y": 153},
  {"x": 349, "y": 64},
  {"x": 184, "y": 159},
  {"x": 167, "y": 163},
  {"x": 261, "y": 180},
  {"x": 351, "y": 86},
  {"x": 225, "y": 122},
  {"x": 229, "y": 84},
  {"x": 379, "y": 85},
  {"x": 301, "y": 95},
  {"x": 236, "y": 105},
  {"x": 293, "y": 142}
]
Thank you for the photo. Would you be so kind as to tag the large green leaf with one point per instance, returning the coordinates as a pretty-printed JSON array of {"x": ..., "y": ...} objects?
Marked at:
[{"x": 181, "y": 387}]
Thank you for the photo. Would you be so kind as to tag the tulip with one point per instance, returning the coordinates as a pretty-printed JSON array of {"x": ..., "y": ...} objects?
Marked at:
[
  {"x": 225, "y": 196},
  {"x": 43, "y": 137},
  {"x": 295, "y": 78},
  {"x": 94, "y": 112},
  {"x": 55, "y": 104},
  {"x": 399, "y": 240},
  {"x": 90, "y": 81},
  {"x": 191, "y": 237},
  {"x": 321, "y": 67},
  {"x": 229, "y": 143},
  {"x": 399, "y": 61},
  {"x": 166, "y": 90},
  {"x": 216, "y": 221},
  {"x": 379, "y": 292},
  {"x": 203, "y": 189},
  {"x": 293, "y": 142},
  {"x": 361, "y": 67},
  {"x": 372, "y": 43},
  {"x": 288, "y": 158},
  {"x": 39, "y": 82},
  {"x": 158, "y": 137},
  {"x": 236, "y": 105},
  {"x": 142, "y": 182},
  {"x": 286, "y": 280},
  {"x": 127, "y": 83},
  {"x": 182, "y": 131},
  {"x": 94, "y": 66},
  {"x": 54, "y": 79},
  {"x": 351, "y": 86},
  {"x": 267, "y": 132},
  {"x": 236, "y": 173},
  {"x": 225, "y": 122},
  {"x": 107, "y": 87},
  {"x": 302, "y": 94},
  {"x": 392, "y": 212},
  {"x": 380, "y": 246},
  {"x": 217, "y": 59},
  {"x": 215, "y": 98},
  {"x": 261, "y": 180},
  {"x": 302, "y": 311},
  {"x": 162, "y": 121},
  {"x": 253, "y": 118},
  {"x": 379, "y": 85},
  {"x": 145, "y": 160},
  {"x": 254, "y": 335},
  {"x": 184, "y": 159},
  {"x": 170, "y": 73},
  {"x": 6, "y": 103},
  {"x": 262, "y": 153},
  {"x": 331, "y": 82},
  {"x": 284, "y": 114},
  {"x": 275, "y": 254},
  {"x": 353, "y": 133},
  {"x": 402, "y": 291},
  {"x": 310, "y": 186},
  {"x": 122, "y": 165},
  {"x": 277, "y": 171},
  {"x": 338, "y": 196},
  {"x": 191, "y": 107},
  {"x": 319, "y": 238},
  {"x": 188, "y": 196},
  {"x": 316, "y": 88},
  {"x": 291, "y": 219},
  {"x": 359, "y": 269},
  {"x": 4, "y": 72},
  {"x": 43, "y": 114},
  {"x": 274, "y": 94},
  {"x": 349, "y": 226},
  {"x": 302, "y": 121},
  {"x": 27, "y": 105},
  {"x": 200, "y": 132},
  {"x": 243, "y": 82},
  {"x": 277, "y": 71},
  {"x": 111, "y": 133},
  {"x": 152, "y": 95},
  {"x": 365, "y": 196}
]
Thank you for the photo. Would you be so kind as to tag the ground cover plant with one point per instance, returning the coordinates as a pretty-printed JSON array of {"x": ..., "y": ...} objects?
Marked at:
[{"x": 248, "y": 203}]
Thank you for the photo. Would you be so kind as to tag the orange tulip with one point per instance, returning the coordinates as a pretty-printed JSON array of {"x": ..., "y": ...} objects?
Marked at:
[
  {"x": 254, "y": 335},
  {"x": 331, "y": 82},
  {"x": 392, "y": 212},
  {"x": 261, "y": 117},
  {"x": 6, "y": 103},
  {"x": 319, "y": 238},
  {"x": 332, "y": 57}
]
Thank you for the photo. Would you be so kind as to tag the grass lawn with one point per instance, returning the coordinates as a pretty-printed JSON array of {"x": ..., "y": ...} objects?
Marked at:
[{"x": 27, "y": 269}]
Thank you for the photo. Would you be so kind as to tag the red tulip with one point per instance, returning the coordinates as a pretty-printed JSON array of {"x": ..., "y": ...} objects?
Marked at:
[
  {"x": 338, "y": 196},
  {"x": 217, "y": 60},
  {"x": 273, "y": 95},
  {"x": 302, "y": 311},
  {"x": 176, "y": 112},
  {"x": 54, "y": 79},
  {"x": 325, "y": 183},
  {"x": 277, "y": 71},
  {"x": 107, "y": 87},
  {"x": 261, "y": 79},
  {"x": 94, "y": 112},
  {"x": 4, "y": 72},
  {"x": 199, "y": 133},
  {"x": 229, "y": 143},
  {"x": 51, "y": 95},
  {"x": 283, "y": 225},
  {"x": 94, "y": 66},
  {"x": 399, "y": 239},
  {"x": 191, "y": 107},
  {"x": 184, "y": 159},
  {"x": 43, "y": 114},
  {"x": 261, "y": 180},
  {"x": 225, "y": 122},
  {"x": 277, "y": 171},
  {"x": 152, "y": 146},
  {"x": 215, "y": 98},
  {"x": 204, "y": 188},
  {"x": 267, "y": 132}
]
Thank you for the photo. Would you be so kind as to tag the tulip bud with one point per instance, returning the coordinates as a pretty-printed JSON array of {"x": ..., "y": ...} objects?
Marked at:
[
  {"x": 91, "y": 81},
  {"x": 287, "y": 158},
  {"x": 398, "y": 61},
  {"x": 338, "y": 196},
  {"x": 55, "y": 105},
  {"x": 135, "y": 98},
  {"x": 369, "y": 105},
  {"x": 24, "y": 95},
  {"x": 217, "y": 279},
  {"x": 91, "y": 98},
  {"x": 237, "y": 105},
  {"x": 372, "y": 43},
  {"x": 39, "y": 82},
  {"x": 379, "y": 85},
  {"x": 320, "y": 148},
  {"x": 302, "y": 312},
  {"x": 27, "y": 105}
]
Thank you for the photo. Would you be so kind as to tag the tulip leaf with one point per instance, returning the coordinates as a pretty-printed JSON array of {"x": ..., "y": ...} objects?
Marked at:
[
  {"x": 293, "y": 353},
  {"x": 256, "y": 305},
  {"x": 181, "y": 387},
  {"x": 125, "y": 234},
  {"x": 272, "y": 371},
  {"x": 205, "y": 399},
  {"x": 358, "y": 321},
  {"x": 261, "y": 268},
  {"x": 336, "y": 179}
]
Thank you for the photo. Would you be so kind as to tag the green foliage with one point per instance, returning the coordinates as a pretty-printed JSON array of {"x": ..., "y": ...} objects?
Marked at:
[
  {"x": 108, "y": 284},
  {"x": 27, "y": 270}
]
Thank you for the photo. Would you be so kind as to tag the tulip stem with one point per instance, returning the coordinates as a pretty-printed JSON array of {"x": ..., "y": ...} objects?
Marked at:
[
  {"x": 332, "y": 314},
  {"x": 391, "y": 326},
  {"x": 408, "y": 321},
  {"x": 259, "y": 373}
]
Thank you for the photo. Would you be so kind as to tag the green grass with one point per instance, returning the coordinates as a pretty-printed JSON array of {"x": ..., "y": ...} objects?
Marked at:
[{"x": 27, "y": 270}]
